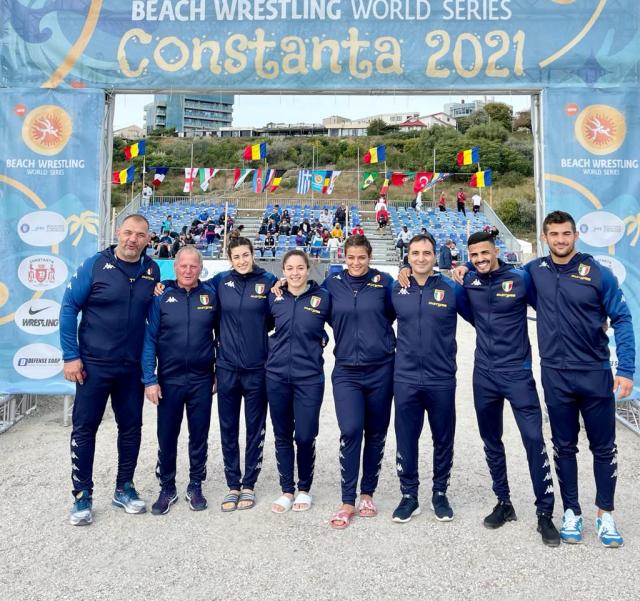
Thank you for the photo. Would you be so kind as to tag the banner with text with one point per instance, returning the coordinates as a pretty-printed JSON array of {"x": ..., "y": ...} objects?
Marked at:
[
  {"x": 592, "y": 170},
  {"x": 50, "y": 146},
  {"x": 261, "y": 45}
]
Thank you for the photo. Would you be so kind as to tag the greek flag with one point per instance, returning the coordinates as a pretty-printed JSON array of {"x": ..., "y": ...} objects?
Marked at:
[{"x": 304, "y": 181}]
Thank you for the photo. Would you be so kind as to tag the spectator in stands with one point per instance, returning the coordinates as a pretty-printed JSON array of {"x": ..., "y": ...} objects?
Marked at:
[
  {"x": 285, "y": 216},
  {"x": 325, "y": 219},
  {"x": 166, "y": 238},
  {"x": 258, "y": 244},
  {"x": 357, "y": 230},
  {"x": 333, "y": 244},
  {"x": 337, "y": 232},
  {"x": 264, "y": 227},
  {"x": 455, "y": 253},
  {"x": 382, "y": 217},
  {"x": 167, "y": 225},
  {"x": 460, "y": 200},
  {"x": 210, "y": 233},
  {"x": 305, "y": 226},
  {"x": 275, "y": 215},
  {"x": 204, "y": 215},
  {"x": 423, "y": 230},
  {"x": 382, "y": 203},
  {"x": 269, "y": 245},
  {"x": 147, "y": 193},
  {"x": 417, "y": 203},
  {"x": 403, "y": 239},
  {"x": 163, "y": 251},
  {"x": 341, "y": 215},
  {"x": 325, "y": 236},
  {"x": 444, "y": 257},
  {"x": 178, "y": 243},
  {"x": 442, "y": 202},
  {"x": 294, "y": 229},
  {"x": 154, "y": 239},
  {"x": 285, "y": 227},
  {"x": 230, "y": 223},
  {"x": 477, "y": 201},
  {"x": 301, "y": 239},
  {"x": 272, "y": 227},
  {"x": 316, "y": 246}
]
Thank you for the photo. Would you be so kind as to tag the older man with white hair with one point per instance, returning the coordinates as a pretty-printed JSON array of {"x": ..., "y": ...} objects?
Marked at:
[{"x": 179, "y": 337}]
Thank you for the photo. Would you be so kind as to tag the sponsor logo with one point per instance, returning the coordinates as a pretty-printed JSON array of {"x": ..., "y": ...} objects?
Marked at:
[
  {"x": 260, "y": 288},
  {"x": 231, "y": 284},
  {"x": 46, "y": 322},
  {"x": 376, "y": 278},
  {"x": 42, "y": 228},
  {"x": 204, "y": 299},
  {"x": 438, "y": 294},
  {"x": 618, "y": 268},
  {"x": 600, "y": 228},
  {"x": 108, "y": 266},
  {"x": 315, "y": 301},
  {"x": 403, "y": 291},
  {"x": 476, "y": 282},
  {"x": 543, "y": 263},
  {"x": 507, "y": 286},
  {"x": 600, "y": 129},
  {"x": 172, "y": 299},
  {"x": 47, "y": 129},
  {"x": 38, "y": 361},
  {"x": 584, "y": 269},
  {"x": 278, "y": 299},
  {"x": 42, "y": 272}
]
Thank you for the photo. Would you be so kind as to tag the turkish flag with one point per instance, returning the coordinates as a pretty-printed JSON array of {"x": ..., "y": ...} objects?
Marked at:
[{"x": 422, "y": 179}]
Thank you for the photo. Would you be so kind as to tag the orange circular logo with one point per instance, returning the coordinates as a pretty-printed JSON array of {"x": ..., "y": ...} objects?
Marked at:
[
  {"x": 571, "y": 109},
  {"x": 20, "y": 110},
  {"x": 47, "y": 129},
  {"x": 600, "y": 129}
]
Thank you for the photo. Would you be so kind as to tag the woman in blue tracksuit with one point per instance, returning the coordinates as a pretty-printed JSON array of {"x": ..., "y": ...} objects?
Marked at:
[{"x": 295, "y": 377}]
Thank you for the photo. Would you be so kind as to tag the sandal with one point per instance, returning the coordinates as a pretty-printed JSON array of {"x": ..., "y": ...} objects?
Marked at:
[
  {"x": 366, "y": 509},
  {"x": 247, "y": 496},
  {"x": 285, "y": 502},
  {"x": 341, "y": 519},
  {"x": 230, "y": 498},
  {"x": 304, "y": 499}
]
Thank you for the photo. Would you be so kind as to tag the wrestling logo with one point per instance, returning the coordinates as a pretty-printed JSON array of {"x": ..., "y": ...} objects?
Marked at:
[
  {"x": 600, "y": 129},
  {"x": 47, "y": 129}
]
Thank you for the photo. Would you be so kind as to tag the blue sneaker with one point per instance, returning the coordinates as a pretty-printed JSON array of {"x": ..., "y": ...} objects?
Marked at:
[
  {"x": 571, "y": 528},
  {"x": 81, "y": 513},
  {"x": 168, "y": 496},
  {"x": 607, "y": 532},
  {"x": 197, "y": 501},
  {"x": 127, "y": 498}
]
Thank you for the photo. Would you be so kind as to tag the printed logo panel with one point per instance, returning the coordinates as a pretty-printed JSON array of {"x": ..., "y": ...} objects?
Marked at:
[
  {"x": 42, "y": 228},
  {"x": 42, "y": 272},
  {"x": 38, "y": 361},
  {"x": 38, "y": 317}
]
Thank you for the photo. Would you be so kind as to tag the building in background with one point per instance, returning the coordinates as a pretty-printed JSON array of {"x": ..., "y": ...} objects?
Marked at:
[
  {"x": 464, "y": 109},
  {"x": 131, "y": 132},
  {"x": 189, "y": 114}
]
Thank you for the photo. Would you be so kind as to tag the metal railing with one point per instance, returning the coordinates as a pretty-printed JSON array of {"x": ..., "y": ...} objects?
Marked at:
[
  {"x": 14, "y": 407},
  {"x": 510, "y": 241}
]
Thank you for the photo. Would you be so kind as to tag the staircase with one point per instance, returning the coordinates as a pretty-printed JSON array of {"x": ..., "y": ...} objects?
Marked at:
[
  {"x": 382, "y": 242},
  {"x": 251, "y": 219}
]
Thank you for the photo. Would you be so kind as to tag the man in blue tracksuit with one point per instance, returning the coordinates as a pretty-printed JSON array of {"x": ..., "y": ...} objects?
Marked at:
[
  {"x": 112, "y": 290},
  {"x": 576, "y": 296},
  {"x": 425, "y": 375},
  {"x": 179, "y": 334},
  {"x": 499, "y": 295}
]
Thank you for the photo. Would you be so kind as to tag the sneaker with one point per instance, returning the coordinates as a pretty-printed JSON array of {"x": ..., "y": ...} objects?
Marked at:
[
  {"x": 81, "y": 513},
  {"x": 548, "y": 531},
  {"x": 607, "y": 532},
  {"x": 441, "y": 507},
  {"x": 407, "y": 508},
  {"x": 197, "y": 500},
  {"x": 571, "y": 529},
  {"x": 128, "y": 499},
  {"x": 168, "y": 496},
  {"x": 502, "y": 513}
]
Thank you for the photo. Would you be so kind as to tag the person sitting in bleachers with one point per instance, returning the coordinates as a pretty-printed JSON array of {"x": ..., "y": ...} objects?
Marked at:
[
  {"x": 167, "y": 225},
  {"x": 275, "y": 215},
  {"x": 305, "y": 226},
  {"x": 210, "y": 233},
  {"x": 285, "y": 227},
  {"x": 264, "y": 227},
  {"x": 316, "y": 246},
  {"x": 301, "y": 239},
  {"x": 285, "y": 215},
  {"x": 402, "y": 241},
  {"x": 326, "y": 220},
  {"x": 269, "y": 245},
  {"x": 341, "y": 215},
  {"x": 382, "y": 217},
  {"x": 163, "y": 251},
  {"x": 357, "y": 230},
  {"x": 382, "y": 203},
  {"x": 294, "y": 229},
  {"x": 337, "y": 232},
  {"x": 325, "y": 236},
  {"x": 204, "y": 215},
  {"x": 272, "y": 227}
]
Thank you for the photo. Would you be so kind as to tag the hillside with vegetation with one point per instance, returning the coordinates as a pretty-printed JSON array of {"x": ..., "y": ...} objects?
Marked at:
[{"x": 507, "y": 152}]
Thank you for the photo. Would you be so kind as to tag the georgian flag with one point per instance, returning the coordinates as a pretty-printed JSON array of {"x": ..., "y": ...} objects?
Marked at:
[{"x": 190, "y": 174}]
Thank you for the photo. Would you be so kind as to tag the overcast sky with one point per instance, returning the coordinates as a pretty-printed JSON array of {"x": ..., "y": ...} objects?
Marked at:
[{"x": 257, "y": 111}]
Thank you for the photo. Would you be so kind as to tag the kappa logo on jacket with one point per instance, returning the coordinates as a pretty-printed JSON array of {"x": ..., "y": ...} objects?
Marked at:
[
  {"x": 476, "y": 282},
  {"x": 543, "y": 263},
  {"x": 108, "y": 266},
  {"x": 403, "y": 291},
  {"x": 171, "y": 299},
  {"x": 231, "y": 284},
  {"x": 278, "y": 299}
]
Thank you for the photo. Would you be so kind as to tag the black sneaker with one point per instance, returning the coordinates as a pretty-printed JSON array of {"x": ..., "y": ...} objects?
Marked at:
[
  {"x": 408, "y": 507},
  {"x": 168, "y": 496},
  {"x": 502, "y": 513},
  {"x": 549, "y": 533},
  {"x": 441, "y": 507},
  {"x": 197, "y": 500}
]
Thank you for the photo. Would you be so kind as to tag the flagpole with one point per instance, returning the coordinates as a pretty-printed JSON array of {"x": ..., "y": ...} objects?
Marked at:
[
  {"x": 191, "y": 174},
  {"x": 384, "y": 179},
  {"x": 144, "y": 166},
  {"x": 313, "y": 165},
  {"x": 264, "y": 175},
  {"x": 433, "y": 190},
  {"x": 358, "y": 176},
  {"x": 226, "y": 217}
]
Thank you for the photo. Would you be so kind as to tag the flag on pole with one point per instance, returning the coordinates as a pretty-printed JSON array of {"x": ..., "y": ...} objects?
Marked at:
[
  {"x": 398, "y": 178},
  {"x": 125, "y": 176},
  {"x": 469, "y": 156},
  {"x": 304, "y": 181},
  {"x": 273, "y": 179},
  {"x": 422, "y": 180},
  {"x": 375, "y": 155},
  {"x": 239, "y": 175},
  {"x": 438, "y": 178},
  {"x": 318, "y": 180},
  {"x": 385, "y": 184},
  {"x": 206, "y": 174},
  {"x": 159, "y": 175},
  {"x": 481, "y": 179},
  {"x": 190, "y": 174},
  {"x": 134, "y": 150},
  {"x": 332, "y": 181},
  {"x": 257, "y": 184},
  {"x": 368, "y": 178},
  {"x": 255, "y": 152}
]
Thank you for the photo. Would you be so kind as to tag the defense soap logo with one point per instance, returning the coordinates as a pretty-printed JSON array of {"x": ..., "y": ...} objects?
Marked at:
[
  {"x": 47, "y": 129},
  {"x": 38, "y": 317},
  {"x": 600, "y": 228},
  {"x": 600, "y": 129},
  {"x": 42, "y": 228},
  {"x": 42, "y": 272},
  {"x": 38, "y": 361}
]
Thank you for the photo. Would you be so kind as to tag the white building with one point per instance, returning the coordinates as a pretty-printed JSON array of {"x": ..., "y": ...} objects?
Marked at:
[{"x": 131, "y": 132}]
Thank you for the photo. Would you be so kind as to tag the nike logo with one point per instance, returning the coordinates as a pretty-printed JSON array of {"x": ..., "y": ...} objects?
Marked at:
[{"x": 32, "y": 312}]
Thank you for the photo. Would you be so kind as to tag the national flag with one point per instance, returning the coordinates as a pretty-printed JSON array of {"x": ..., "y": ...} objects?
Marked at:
[
  {"x": 398, "y": 178},
  {"x": 206, "y": 174},
  {"x": 190, "y": 174},
  {"x": 304, "y": 181},
  {"x": 438, "y": 178},
  {"x": 385, "y": 184},
  {"x": 274, "y": 178},
  {"x": 126, "y": 176},
  {"x": 318, "y": 179},
  {"x": 257, "y": 185},
  {"x": 134, "y": 150},
  {"x": 469, "y": 156},
  {"x": 422, "y": 180},
  {"x": 239, "y": 175},
  {"x": 481, "y": 179},
  {"x": 368, "y": 178},
  {"x": 255, "y": 152},
  {"x": 159, "y": 175},
  {"x": 375, "y": 155},
  {"x": 332, "y": 181}
]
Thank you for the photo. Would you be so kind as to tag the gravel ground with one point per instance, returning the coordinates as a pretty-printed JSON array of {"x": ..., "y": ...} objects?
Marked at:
[{"x": 259, "y": 555}]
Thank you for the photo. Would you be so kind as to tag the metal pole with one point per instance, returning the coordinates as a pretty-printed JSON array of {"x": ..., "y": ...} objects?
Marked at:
[
  {"x": 226, "y": 219},
  {"x": 191, "y": 174},
  {"x": 538, "y": 165},
  {"x": 433, "y": 189},
  {"x": 106, "y": 160},
  {"x": 358, "y": 176}
]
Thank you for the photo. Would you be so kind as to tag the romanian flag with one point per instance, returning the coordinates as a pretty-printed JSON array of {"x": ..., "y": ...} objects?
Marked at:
[
  {"x": 273, "y": 179},
  {"x": 481, "y": 179},
  {"x": 468, "y": 157},
  {"x": 375, "y": 155},
  {"x": 135, "y": 150},
  {"x": 255, "y": 152},
  {"x": 422, "y": 180},
  {"x": 368, "y": 178},
  {"x": 257, "y": 184},
  {"x": 123, "y": 177},
  {"x": 385, "y": 184}
]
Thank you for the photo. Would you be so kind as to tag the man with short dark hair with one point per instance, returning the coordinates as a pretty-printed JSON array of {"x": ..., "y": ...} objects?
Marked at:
[{"x": 112, "y": 290}]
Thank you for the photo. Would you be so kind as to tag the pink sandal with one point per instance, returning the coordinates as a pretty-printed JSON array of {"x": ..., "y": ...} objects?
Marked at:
[
  {"x": 367, "y": 509},
  {"x": 341, "y": 519}
]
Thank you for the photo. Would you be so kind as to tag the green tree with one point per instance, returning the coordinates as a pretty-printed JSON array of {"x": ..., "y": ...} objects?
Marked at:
[
  {"x": 500, "y": 113},
  {"x": 522, "y": 121},
  {"x": 378, "y": 127}
]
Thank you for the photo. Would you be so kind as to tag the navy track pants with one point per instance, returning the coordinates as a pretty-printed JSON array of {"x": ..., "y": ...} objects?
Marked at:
[
  {"x": 195, "y": 395},
  {"x": 569, "y": 394},
  {"x": 233, "y": 385},
  {"x": 411, "y": 402},
  {"x": 123, "y": 384},
  {"x": 363, "y": 398},
  {"x": 490, "y": 389},
  {"x": 295, "y": 415}
]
